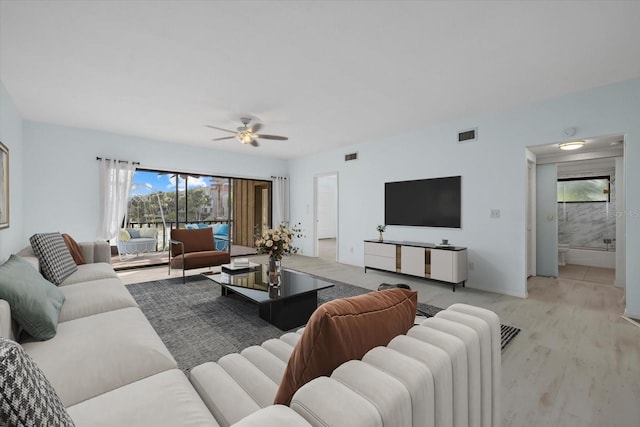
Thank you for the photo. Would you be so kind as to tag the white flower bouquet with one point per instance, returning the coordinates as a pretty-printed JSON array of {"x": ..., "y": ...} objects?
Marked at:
[{"x": 277, "y": 242}]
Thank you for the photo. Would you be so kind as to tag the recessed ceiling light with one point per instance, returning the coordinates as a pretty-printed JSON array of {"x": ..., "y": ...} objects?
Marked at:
[{"x": 574, "y": 145}]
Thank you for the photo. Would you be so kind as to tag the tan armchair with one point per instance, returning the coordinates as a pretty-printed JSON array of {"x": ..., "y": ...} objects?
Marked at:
[{"x": 195, "y": 248}]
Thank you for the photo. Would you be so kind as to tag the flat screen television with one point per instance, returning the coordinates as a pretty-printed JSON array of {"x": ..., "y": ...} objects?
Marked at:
[{"x": 434, "y": 202}]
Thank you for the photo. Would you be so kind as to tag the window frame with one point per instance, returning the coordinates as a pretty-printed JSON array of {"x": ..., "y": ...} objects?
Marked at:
[{"x": 589, "y": 178}]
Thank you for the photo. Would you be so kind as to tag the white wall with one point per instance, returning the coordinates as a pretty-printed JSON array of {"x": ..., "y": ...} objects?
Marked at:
[
  {"x": 493, "y": 177},
  {"x": 61, "y": 172},
  {"x": 11, "y": 136}
]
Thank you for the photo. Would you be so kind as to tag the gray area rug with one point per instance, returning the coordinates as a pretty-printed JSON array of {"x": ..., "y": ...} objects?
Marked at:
[{"x": 198, "y": 325}]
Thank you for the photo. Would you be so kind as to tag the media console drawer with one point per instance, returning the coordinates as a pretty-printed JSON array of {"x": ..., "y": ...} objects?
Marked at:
[
  {"x": 380, "y": 256},
  {"x": 381, "y": 262},
  {"x": 418, "y": 259},
  {"x": 380, "y": 249}
]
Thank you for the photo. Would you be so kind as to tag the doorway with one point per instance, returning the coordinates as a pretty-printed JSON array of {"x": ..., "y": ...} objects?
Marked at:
[
  {"x": 326, "y": 216},
  {"x": 578, "y": 235},
  {"x": 531, "y": 214}
]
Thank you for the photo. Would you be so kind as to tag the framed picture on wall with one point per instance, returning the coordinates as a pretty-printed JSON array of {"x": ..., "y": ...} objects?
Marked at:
[{"x": 4, "y": 186}]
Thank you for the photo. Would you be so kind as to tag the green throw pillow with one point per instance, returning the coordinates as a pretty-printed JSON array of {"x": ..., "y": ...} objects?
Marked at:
[{"x": 35, "y": 302}]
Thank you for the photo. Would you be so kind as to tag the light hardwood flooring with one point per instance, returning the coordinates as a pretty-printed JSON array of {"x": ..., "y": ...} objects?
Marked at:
[
  {"x": 576, "y": 362},
  {"x": 327, "y": 249}
]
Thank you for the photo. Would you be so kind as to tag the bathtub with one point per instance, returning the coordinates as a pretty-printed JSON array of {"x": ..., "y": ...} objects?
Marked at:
[{"x": 592, "y": 257}]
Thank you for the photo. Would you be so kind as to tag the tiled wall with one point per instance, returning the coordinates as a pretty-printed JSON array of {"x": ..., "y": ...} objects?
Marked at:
[{"x": 586, "y": 225}]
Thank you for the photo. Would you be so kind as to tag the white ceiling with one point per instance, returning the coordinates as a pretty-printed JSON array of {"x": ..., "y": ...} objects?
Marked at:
[{"x": 324, "y": 73}]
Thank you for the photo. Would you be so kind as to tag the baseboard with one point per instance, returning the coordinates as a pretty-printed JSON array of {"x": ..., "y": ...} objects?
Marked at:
[
  {"x": 633, "y": 316},
  {"x": 502, "y": 291}
]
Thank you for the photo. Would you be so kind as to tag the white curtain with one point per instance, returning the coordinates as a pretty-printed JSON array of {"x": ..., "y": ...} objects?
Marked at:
[
  {"x": 115, "y": 184},
  {"x": 280, "y": 200}
]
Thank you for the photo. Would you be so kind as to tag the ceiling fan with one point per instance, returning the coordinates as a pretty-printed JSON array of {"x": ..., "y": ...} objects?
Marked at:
[{"x": 246, "y": 134}]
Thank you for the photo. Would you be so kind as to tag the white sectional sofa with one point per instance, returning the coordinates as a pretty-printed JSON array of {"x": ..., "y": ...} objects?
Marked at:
[
  {"x": 110, "y": 368},
  {"x": 106, "y": 362}
]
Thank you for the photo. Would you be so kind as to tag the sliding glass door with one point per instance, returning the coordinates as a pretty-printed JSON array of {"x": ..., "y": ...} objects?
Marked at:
[{"x": 167, "y": 200}]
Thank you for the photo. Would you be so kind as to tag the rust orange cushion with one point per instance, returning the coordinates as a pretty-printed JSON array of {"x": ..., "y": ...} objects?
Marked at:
[
  {"x": 73, "y": 247},
  {"x": 345, "y": 329}
]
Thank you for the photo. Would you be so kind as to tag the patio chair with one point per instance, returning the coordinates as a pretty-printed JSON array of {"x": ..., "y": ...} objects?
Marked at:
[
  {"x": 194, "y": 248},
  {"x": 220, "y": 234},
  {"x": 221, "y": 237}
]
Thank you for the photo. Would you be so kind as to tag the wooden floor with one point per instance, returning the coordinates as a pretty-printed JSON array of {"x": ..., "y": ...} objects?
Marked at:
[{"x": 576, "y": 362}]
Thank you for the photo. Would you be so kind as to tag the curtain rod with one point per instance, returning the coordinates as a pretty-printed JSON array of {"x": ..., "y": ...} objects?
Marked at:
[
  {"x": 279, "y": 177},
  {"x": 120, "y": 161}
]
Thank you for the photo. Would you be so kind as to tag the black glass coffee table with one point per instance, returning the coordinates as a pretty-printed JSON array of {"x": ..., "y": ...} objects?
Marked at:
[{"x": 296, "y": 298}]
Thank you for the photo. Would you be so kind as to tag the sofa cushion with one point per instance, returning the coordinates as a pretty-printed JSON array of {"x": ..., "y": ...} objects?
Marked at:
[
  {"x": 124, "y": 235},
  {"x": 327, "y": 402},
  {"x": 225, "y": 398},
  {"x": 200, "y": 259},
  {"x": 55, "y": 259},
  {"x": 26, "y": 397},
  {"x": 194, "y": 240},
  {"x": 164, "y": 399},
  {"x": 273, "y": 416},
  {"x": 94, "y": 252},
  {"x": 134, "y": 233},
  {"x": 6, "y": 323},
  {"x": 99, "y": 353},
  {"x": 390, "y": 397},
  {"x": 414, "y": 375},
  {"x": 222, "y": 230},
  {"x": 151, "y": 233},
  {"x": 35, "y": 303},
  {"x": 345, "y": 329},
  {"x": 89, "y": 272},
  {"x": 74, "y": 249},
  {"x": 94, "y": 297}
]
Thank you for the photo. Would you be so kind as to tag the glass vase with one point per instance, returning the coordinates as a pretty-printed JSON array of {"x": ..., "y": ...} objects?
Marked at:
[{"x": 274, "y": 266}]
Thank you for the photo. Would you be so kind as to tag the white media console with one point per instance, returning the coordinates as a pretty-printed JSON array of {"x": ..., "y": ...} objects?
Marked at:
[{"x": 426, "y": 260}]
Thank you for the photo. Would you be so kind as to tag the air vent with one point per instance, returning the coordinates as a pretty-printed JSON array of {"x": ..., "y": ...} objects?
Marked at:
[
  {"x": 350, "y": 156},
  {"x": 468, "y": 135}
]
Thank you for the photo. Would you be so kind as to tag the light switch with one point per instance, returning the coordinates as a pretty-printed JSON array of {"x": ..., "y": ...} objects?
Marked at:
[{"x": 495, "y": 213}]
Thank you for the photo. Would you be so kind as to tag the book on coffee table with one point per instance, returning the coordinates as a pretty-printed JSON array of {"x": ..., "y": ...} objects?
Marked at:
[{"x": 235, "y": 268}]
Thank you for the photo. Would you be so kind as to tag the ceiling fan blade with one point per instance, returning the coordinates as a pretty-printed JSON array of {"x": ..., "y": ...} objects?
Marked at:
[
  {"x": 220, "y": 139},
  {"x": 256, "y": 127},
  {"x": 276, "y": 137},
  {"x": 226, "y": 130},
  {"x": 254, "y": 143}
]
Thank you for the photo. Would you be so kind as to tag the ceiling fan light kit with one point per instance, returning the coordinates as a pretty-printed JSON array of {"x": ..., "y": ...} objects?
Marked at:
[
  {"x": 247, "y": 135},
  {"x": 244, "y": 137}
]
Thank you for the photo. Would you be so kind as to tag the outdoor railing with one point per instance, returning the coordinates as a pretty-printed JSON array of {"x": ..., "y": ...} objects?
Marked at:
[{"x": 164, "y": 233}]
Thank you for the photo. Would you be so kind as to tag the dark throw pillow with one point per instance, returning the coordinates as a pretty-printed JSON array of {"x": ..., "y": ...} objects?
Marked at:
[
  {"x": 26, "y": 396},
  {"x": 345, "y": 329},
  {"x": 74, "y": 249},
  {"x": 35, "y": 303},
  {"x": 55, "y": 259}
]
